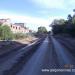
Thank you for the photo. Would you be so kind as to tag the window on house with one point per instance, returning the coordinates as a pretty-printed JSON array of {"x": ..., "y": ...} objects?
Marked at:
[
  {"x": 13, "y": 27},
  {"x": 19, "y": 28},
  {"x": 16, "y": 27}
]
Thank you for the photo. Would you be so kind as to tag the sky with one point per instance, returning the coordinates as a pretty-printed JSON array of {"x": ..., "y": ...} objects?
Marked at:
[{"x": 36, "y": 13}]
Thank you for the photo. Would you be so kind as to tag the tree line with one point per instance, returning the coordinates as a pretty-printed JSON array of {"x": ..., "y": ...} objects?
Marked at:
[{"x": 63, "y": 26}]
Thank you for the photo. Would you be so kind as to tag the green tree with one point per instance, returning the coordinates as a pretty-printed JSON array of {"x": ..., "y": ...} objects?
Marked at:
[
  {"x": 6, "y": 33},
  {"x": 42, "y": 30},
  {"x": 64, "y": 26},
  {"x": 58, "y": 22},
  {"x": 58, "y": 26},
  {"x": 69, "y": 19},
  {"x": 62, "y": 22},
  {"x": 73, "y": 19}
]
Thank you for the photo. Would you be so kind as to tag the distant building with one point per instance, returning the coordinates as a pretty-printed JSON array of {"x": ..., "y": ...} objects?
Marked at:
[
  {"x": 19, "y": 28},
  {"x": 16, "y": 27}
]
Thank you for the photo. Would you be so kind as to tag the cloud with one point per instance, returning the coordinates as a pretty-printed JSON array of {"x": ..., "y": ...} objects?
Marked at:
[
  {"x": 43, "y": 11},
  {"x": 49, "y": 3},
  {"x": 27, "y": 19},
  {"x": 72, "y": 2},
  {"x": 34, "y": 21}
]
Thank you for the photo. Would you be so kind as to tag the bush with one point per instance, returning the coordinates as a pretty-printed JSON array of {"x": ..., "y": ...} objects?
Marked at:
[
  {"x": 19, "y": 36},
  {"x": 5, "y": 33}
]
